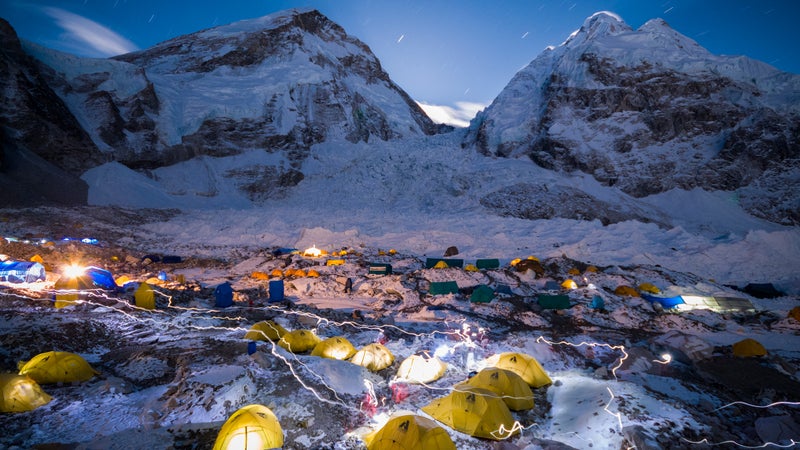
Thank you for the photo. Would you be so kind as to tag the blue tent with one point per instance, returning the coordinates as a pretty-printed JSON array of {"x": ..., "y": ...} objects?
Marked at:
[
  {"x": 666, "y": 302},
  {"x": 276, "y": 290},
  {"x": 224, "y": 295},
  {"x": 100, "y": 277},
  {"x": 597, "y": 303},
  {"x": 21, "y": 272}
]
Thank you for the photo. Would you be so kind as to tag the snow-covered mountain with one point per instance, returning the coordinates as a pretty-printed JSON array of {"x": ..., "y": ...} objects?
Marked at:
[
  {"x": 649, "y": 110},
  {"x": 275, "y": 85}
]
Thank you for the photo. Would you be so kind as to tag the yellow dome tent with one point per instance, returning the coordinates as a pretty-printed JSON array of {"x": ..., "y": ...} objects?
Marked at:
[
  {"x": 471, "y": 268},
  {"x": 276, "y": 273},
  {"x": 266, "y": 330},
  {"x": 145, "y": 297},
  {"x": 419, "y": 369},
  {"x": 569, "y": 284},
  {"x": 474, "y": 411},
  {"x": 250, "y": 427},
  {"x": 649, "y": 288},
  {"x": 257, "y": 275},
  {"x": 626, "y": 291},
  {"x": 409, "y": 432},
  {"x": 795, "y": 313},
  {"x": 514, "y": 391},
  {"x": 312, "y": 273},
  {"x": 523, "y": 365},
  {"x": 67, "y": 291},
  {"x": 334, "y": 348},
  {"x": 574, "y": 271},
  {"x": 299, "y": 341},
  {"x": 441, "y": 265},
  {"x": 19, "y": 393},
  {"x": 374, "y": 357},
  {"x": 748, "y": 347},
  {"x": 57, "y": 367}
]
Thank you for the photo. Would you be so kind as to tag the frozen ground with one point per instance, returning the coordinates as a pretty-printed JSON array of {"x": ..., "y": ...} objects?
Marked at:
[{"x": 170, "y": 377}]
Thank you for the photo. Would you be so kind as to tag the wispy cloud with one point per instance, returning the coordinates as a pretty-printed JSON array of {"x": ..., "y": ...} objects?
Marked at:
[
  {"x": 87, "y": 36},
  {"x": 458, "y": 116}
]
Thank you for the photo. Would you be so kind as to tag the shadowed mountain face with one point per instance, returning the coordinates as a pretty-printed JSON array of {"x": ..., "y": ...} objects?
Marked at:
[{"x": 650, "y": 110}]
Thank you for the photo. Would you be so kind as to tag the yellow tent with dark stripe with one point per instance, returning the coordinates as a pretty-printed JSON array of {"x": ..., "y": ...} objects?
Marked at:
[
  {"x": 409, "y": 432},
  {"x": 475, "y": 411},
  {"x": 514, "y": 391},
  {"x": 299, "y": 341},
  {"x": 57, "y": 367},
  {"x": 265, "y": 330},
  {"x": 374, "y": 357},
  {"x": 19, "y": 393},
  {"x": 523, "y": 365},
  {"x": 251, "y": 427},
  {"x": 334, "y": 348}
]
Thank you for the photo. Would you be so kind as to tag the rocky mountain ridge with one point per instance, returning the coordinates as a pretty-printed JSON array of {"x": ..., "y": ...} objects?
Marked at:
[{"x": 650, "y": 110}]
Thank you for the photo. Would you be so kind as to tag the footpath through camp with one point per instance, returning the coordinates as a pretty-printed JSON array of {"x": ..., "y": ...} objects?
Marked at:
[{"x": 111, "y": 341}]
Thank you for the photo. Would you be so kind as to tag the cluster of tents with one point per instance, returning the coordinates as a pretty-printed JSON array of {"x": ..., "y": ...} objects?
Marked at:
[{"x": 22, "y": 392}]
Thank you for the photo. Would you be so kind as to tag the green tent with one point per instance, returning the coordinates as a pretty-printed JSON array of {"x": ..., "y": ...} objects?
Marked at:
[
  {"x": 380, "y": 269},
  {"x": 481, "y": 294},
  {"x": 488, "y": 263},
  {"x": 548, "y": 301},
  {"x": 430, "y": 262},
  {"x": 443, "y": 287}
]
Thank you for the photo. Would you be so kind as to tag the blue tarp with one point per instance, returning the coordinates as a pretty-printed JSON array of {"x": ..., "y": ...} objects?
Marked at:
[
  {"x": 224, "y": 295},
  {"x": 276, "y": 290},
  {"x": 21, "y": 272},
  {"x": 666, "y": 302}
]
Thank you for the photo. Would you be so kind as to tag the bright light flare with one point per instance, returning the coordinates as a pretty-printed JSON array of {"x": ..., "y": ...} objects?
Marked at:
[
  {"x": 73, "y": 270},
  {"x": 666, "y": 358}
]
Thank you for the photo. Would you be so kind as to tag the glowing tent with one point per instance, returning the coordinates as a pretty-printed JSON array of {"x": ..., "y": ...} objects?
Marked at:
[
  {"x": 569, "y": 283},
  {"x": 21, "y": 271},
  {"x": 514, "y": 391},
  {"x": 419, "y": 369},
  {"x": 748, "y": 347},
  {"x": 19, "y": 393},
  {"x": 250, "y": 427},
  {"x": 374, "y": 357},
  {"x": 265, "y": 330},
  {"x": 299, "y": 341},
  {"x": 57, "y": 367},
  {"x": 523, "y": 365},
  {"x": 474, "y": 411},
  {"x": 145, "y": 297},
  {"x": 334, "y": 348},
  {"x": 409, "y": 432}
]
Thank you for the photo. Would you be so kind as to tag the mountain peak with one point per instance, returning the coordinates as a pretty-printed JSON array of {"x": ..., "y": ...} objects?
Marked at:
[{"x": 602, "y": 23}]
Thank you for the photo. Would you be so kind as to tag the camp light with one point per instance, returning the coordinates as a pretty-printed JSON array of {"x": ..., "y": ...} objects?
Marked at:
[
  {"x": 73, "y": 271},
  {"x": 313, "y": 252},
  {"x": 245, "y": 439}
]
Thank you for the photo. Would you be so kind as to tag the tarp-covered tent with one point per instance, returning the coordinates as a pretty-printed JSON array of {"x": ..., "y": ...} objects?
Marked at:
[
  {"x": 548, "y": 301},
  {"x": 21, "y": 272},
  {"x": 443, "y": 287},
  {"x": 523, "y": 365},
  {"x": 57, "y": 367},
  {"x": 409, "y": 432},
  {"x": 299, "y": 341},
  {"x": 334, "y": 348},
  {"x": 420, "y": 369},
  {"x": 101, "y": 278},
  {"x": 145, "y": 297},
  {"x": 481, "y": 294},
  {"x": 666, "y": 302},
  {"x": 748, "y": 347},
  {"x": 475, "y": 411},
  {"x": 373, "y": 357},
  {"x": 380, "y": 269},
  {"x": 719, "y": 304},
  {"x": 265, "y": 330},
  {"x": 223, "y": 295},
  {"x": 515, "y": 391},
  {"x": 451, "y": 262},
  {"x": 19, "y": 393},
  {"x": 488, "y": 263},
  {"x": 250, "y": 427}
]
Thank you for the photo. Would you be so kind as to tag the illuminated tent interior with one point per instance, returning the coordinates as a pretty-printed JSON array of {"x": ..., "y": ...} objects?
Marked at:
[{"x": 250, "y": 427}]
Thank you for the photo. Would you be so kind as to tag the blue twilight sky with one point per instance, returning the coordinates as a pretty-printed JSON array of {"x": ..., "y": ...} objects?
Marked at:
[{"x": 442, "y": 52}]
